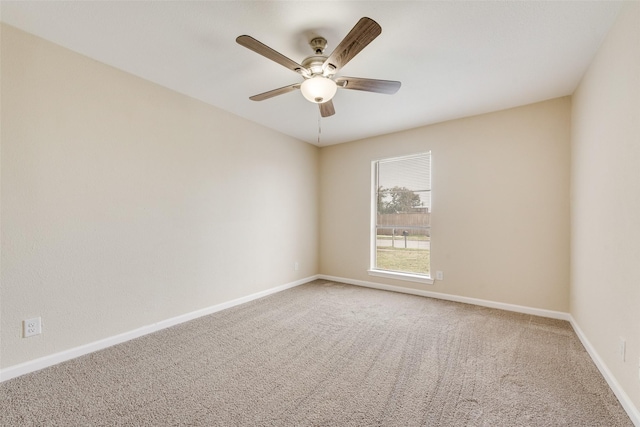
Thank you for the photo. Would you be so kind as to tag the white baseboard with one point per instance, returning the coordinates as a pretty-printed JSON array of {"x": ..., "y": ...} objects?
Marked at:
[
  {"x": 467, "y": 300},
  {"x": 623, "y": 397},
  {"x": 54, "y": 359}
]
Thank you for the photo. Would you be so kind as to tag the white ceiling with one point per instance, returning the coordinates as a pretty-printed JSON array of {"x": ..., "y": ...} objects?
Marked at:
[{"x": 454, "y": 59}]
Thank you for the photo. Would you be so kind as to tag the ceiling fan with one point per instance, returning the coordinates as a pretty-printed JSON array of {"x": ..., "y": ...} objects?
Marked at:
[{"x": 320, "y": 83}]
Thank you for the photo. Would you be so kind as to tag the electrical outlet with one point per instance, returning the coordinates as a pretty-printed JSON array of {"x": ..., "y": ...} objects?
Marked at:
[
  {"x": 296, "y": 266},
  {"x": 622, "y": 348},
  {"x": 439, "y": 275},
  {"x": 32, "y": 327}
]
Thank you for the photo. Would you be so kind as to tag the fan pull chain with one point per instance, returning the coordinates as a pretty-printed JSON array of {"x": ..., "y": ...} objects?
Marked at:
[{"x": 319, "y": 127}]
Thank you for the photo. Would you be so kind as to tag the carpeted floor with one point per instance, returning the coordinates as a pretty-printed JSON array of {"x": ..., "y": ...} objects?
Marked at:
[{"x": 328, "y": 354}]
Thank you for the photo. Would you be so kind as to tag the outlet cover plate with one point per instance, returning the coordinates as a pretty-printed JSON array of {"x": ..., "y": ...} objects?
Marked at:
[{"x": 32, "y": 327}]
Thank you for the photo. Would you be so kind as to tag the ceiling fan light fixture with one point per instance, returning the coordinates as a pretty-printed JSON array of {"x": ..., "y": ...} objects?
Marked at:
[{"x": 318, "y": 89}]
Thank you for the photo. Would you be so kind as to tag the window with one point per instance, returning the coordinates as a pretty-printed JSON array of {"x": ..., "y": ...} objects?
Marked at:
[{"x": 401, "y": 210}]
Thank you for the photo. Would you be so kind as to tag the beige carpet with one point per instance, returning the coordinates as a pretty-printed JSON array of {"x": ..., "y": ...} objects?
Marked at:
[{"x": 327, "y": 354}]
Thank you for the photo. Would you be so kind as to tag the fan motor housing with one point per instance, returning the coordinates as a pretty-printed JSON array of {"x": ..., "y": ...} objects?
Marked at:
[{"x": 314, "y": 63}]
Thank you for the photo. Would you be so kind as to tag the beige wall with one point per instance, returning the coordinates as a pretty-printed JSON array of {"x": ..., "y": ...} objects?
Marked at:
[
  {"x": 124, "y": 203},
  {"x": 500, "y": 204},
  {"x": 605, "y": 285}
]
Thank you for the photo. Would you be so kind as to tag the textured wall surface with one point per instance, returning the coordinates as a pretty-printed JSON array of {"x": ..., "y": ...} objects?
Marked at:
[
  {"x": 500, "y": 204},
  {"x": 605, "y": 285},
  {"x": 124, "y": 203}
]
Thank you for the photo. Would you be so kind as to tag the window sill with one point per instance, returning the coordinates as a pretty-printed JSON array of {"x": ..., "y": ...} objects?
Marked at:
[{"x": 401, "y": 276}]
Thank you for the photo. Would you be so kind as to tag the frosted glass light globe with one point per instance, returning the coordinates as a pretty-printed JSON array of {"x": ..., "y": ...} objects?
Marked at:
[{"x": 318, "y": 89}]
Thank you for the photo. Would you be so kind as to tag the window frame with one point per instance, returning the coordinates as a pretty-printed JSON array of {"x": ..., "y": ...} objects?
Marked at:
[{"x": 389, "y": 274}]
